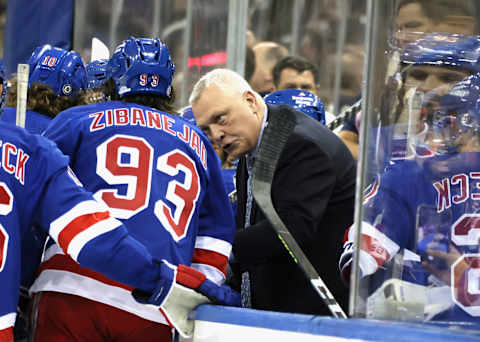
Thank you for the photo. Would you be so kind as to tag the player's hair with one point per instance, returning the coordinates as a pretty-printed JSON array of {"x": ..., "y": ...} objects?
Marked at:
[
  {"x": 297, "y": 63},
  {"x": 225, "y": 79},
  {"x": 107, "y": 91},
  {"x": 41, "y": 99},
  {"x": 97, "y": 94}
]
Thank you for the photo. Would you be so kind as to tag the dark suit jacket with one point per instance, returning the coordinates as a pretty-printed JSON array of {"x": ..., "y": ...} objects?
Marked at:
[{"x": 313, "y": 191}]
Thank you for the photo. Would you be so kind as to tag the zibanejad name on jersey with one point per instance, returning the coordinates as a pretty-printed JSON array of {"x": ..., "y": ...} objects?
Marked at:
[{"x": 151, "y": 119}]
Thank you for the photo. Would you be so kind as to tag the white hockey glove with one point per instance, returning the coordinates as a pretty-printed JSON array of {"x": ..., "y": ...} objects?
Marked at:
[{"x": 180, "y": 290}]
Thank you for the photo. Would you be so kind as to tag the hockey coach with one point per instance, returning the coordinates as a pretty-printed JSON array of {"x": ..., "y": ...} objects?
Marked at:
[{"x": 313, "y": 191}]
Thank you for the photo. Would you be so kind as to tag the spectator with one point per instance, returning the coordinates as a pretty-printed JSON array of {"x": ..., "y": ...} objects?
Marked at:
[
  {"x": 267, "y": 54},
  {"x": 294, "y": 72},
  {"x": 416, "y": 17},
  {"x": 313, "y": 192},
  {"x": 351, "y": 78},
  {"x": 159, "y": 175},
  {"x": 249, "y": 63}
]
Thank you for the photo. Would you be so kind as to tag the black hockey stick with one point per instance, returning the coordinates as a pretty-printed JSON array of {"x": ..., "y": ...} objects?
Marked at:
[
  {"x": 275, "y": 135},
  {"x": 346, "y": 115}
]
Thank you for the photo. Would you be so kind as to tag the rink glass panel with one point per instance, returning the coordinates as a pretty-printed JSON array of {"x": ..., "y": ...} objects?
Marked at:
[
  {"x": 324, "y": 32},
  {"x": 195, "y": 31},
  {"x": 419, "y": 209}
]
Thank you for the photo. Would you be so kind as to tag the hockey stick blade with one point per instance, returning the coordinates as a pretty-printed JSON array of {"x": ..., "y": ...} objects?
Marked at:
[{"x": 274, "y": 138}]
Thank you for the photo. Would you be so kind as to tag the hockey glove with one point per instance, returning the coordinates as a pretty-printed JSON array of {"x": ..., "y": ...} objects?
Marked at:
[{"x": 180, "y": 290}]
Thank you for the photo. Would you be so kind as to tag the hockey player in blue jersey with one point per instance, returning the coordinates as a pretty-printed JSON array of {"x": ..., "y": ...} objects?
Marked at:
[
  {"x": 159, "y": 175},
  {"x": 432, "y": 64},
  {"x": 420, "y": 222},
  {"x": 38, "y": 189},
  {"x": 55, "y": 79}
]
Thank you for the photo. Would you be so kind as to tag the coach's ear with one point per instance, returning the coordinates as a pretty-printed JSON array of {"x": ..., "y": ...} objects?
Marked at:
[{"x": 252, "y": 100}]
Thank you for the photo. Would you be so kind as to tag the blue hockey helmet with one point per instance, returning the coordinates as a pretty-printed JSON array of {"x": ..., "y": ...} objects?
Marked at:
[
  {"x": 463, "y": 102},
  {"x": 4, "y": 81},
  {"x": 62, "y": 70},
  {"x": 97, "y": 73},
  {"x": 142, "y": 65},
  {"x": 302, "y": 100},
  {"x": 453, "y": 115},
  {"x": 444, "y": 49},
  {"x": 187, "y": 114}
]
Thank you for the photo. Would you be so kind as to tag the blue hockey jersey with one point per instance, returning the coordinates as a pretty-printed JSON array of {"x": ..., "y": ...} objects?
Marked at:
[
  {"x": 33, "y": 241},
  {"x": 34, "y": 122},
  {"x": 37, "y": 189},
  {"x": 158, "y": 174},
  {"x": 425, "y": 203}
]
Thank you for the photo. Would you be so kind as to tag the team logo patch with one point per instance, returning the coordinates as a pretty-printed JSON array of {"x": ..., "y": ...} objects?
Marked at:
[{"x": 67, "y": 89}]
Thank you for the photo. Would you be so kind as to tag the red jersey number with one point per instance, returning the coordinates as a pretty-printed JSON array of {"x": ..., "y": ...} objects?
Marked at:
[
  {"x": 6, "y": 204},
  {"x": 183, "y": 195},
  {"x": 465, "y": 272},
  {"x": 127, "y": 160}
]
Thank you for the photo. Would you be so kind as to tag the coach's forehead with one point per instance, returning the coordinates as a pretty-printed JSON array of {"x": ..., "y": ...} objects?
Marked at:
[{"x": 212, "y": 100}]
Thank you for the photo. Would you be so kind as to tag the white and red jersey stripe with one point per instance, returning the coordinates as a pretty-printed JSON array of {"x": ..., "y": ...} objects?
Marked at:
[
  {"x": 61, "y": 273},
  {"x": 376, "y": 249},
  {"x": 81, "y": 224},
  {"x": 6, "y": 327},
  {"x": 211, "y": 257}
]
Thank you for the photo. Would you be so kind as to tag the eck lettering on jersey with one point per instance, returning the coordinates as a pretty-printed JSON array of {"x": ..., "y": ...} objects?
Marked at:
[
  {"x": 457, "y": 189},
  {"x": 13, "y": 160},
  {"x": 151, "y": 119}
]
